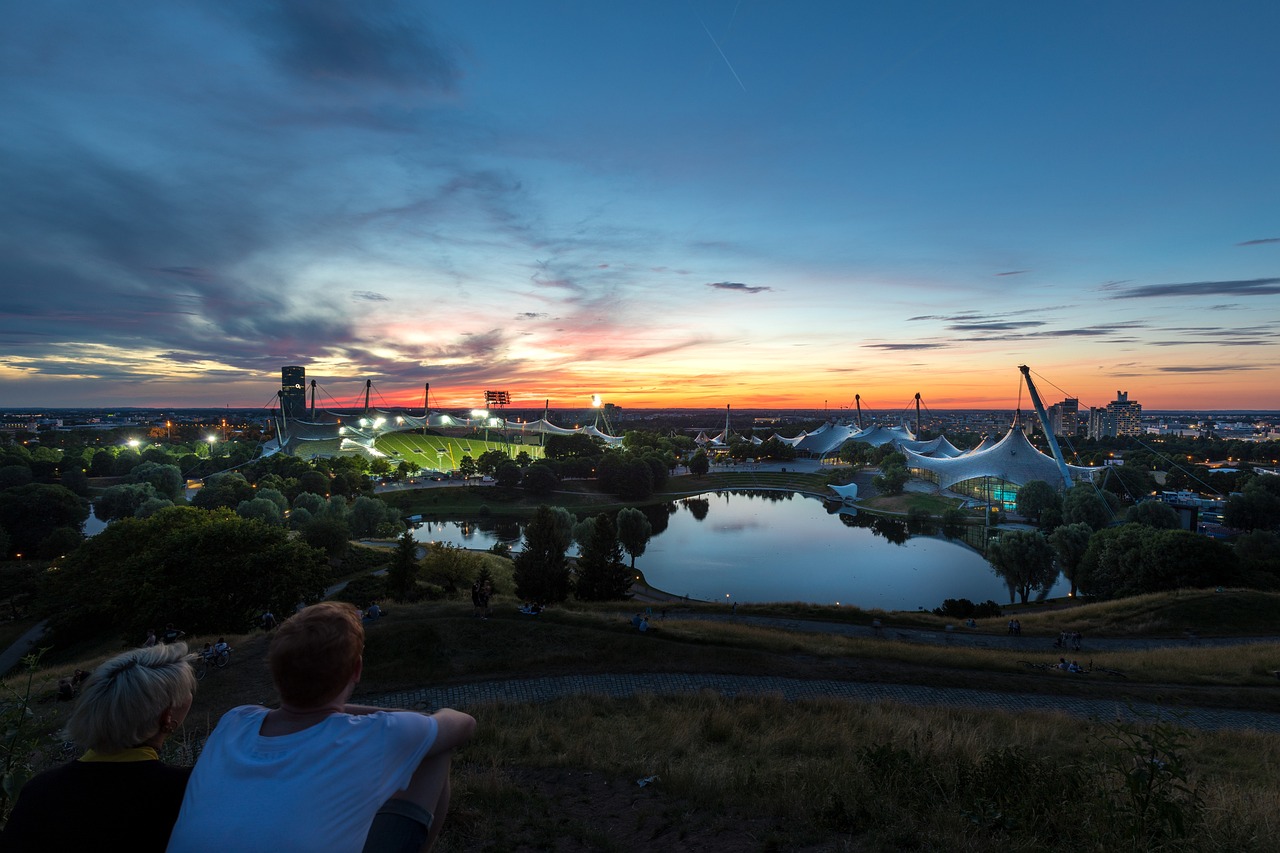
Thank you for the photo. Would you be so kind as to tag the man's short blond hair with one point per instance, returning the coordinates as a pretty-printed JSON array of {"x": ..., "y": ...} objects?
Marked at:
[
  {"x": 121, "y": 702},
  {"x": 314, "y": 654}
]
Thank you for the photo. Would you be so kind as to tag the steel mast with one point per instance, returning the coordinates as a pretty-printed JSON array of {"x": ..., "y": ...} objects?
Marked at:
[{"x": 1044, "y": 422}]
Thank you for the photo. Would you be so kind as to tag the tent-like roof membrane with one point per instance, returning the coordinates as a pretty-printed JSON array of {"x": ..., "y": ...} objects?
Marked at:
[{"x": 1012, "y": 458}]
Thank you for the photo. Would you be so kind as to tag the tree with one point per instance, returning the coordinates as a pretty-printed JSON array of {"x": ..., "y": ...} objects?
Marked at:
[
  {"x": 123, "y": 500},
  {"x": 1256, "y": 506},
  {"x": 634, "y": 531},
  {"x": 1133, "y": 559},
  {"x": 331, "y": 535},
  {"x": 369, "y": 516},
  {"x": 450, "y": 566},
  {"x": 467, "y": 467},
  {"x": 893, "y": 476},
  {"x": 14, "y": 475},
  {"x": 223, "y": 490},
  {"x": 699, "y": 464},
  {"x": 402, "y": 574},
  {"x": 262, "y": 509},
  {"x": 1024, "y": 560},
  {"x": 31, "y": 513},
  {"x": 166, "y": 479},
  {"x": 1070, "y": 542},
  {"x": 1084, "y": 503},
  {"x": 570, "y": 447},
  {"x": 206, "y": 571},
  {"x": 541, "y": 570},
  {"x": 602, "y": 576},
  {"x": 539, "y": 479},
  {"x": 1035, "y": 497},
  {"x": 1153, "y": 513},
  {"x": 490, "y": 460},
  {"x": 507, "y": 474}
]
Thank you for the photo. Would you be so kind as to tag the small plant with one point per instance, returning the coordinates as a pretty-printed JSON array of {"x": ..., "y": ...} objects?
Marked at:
[
  {"x": 1153, "y": 795},
  {"x": 21, "y": 737}
]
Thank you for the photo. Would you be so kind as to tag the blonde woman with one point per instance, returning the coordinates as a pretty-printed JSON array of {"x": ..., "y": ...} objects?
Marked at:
[{"x": 118, "y": 795}]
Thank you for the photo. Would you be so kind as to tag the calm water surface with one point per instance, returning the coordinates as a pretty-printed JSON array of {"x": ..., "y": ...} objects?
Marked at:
[{"x": 782, "y": 546}]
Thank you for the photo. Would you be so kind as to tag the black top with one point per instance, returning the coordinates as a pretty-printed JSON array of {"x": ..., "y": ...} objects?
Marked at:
[{"x": 97, "y": 805}]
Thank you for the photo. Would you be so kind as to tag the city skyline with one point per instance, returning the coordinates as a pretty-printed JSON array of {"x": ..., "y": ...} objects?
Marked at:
[{"x": 680, "y": 204}]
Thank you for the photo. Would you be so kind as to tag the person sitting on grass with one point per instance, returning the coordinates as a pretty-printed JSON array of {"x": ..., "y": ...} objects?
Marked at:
[
  {"x": 118, "y": 795},
  {"x": 318, "y": 773}
]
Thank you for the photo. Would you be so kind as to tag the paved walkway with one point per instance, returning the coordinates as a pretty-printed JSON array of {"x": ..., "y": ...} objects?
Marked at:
[
  {"x": 623, "y": 686},
  {"x": 466, "y": 696},
  {"x": 960, "y": 636}
]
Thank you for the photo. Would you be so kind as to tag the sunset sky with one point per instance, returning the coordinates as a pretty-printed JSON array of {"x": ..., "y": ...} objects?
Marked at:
[{"x": 685, "y": 203}]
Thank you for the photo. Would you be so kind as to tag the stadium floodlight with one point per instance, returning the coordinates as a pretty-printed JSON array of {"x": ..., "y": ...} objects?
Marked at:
[
  {"x": 133, "y": 442},
  {"x": 364, "y": 422},
  {"x": 596, "y": 402},
  {"x": 479, "y": 413},
  {"x": 379, "y": 422}
]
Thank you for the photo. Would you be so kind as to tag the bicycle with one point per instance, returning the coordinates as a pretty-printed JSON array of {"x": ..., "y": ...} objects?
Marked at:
[{"x": 212, "y": 659}]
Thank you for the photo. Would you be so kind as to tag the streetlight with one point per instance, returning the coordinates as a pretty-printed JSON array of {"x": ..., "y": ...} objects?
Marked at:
[{"x": 212, "y": 439}]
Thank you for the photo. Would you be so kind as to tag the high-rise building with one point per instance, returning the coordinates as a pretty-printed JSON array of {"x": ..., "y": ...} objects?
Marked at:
[
  {"x": 1064, "y": 417},
  {"x": 1128, "y": 414},
  {"x": 293, "y": 392},
  {"x": 1122, "y": 416}
]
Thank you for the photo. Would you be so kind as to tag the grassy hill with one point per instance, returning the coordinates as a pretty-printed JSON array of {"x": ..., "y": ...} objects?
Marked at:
[{"x": 759, "y": 773}]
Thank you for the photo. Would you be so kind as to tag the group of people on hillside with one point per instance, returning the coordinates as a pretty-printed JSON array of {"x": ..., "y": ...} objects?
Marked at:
[
  {"x": 1074, "y": 666},
  {"x": 1015, "y": 627},
  {"x": 316, "y": 773},
  {"x": 1068, "y": 638}
]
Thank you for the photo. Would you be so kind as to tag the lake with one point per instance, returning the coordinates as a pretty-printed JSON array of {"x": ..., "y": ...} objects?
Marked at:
[{"x": 761, "y": 546}]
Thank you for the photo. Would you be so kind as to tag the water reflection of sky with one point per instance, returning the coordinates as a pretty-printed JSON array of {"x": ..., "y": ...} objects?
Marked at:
[{"x": 789, "y": 549}]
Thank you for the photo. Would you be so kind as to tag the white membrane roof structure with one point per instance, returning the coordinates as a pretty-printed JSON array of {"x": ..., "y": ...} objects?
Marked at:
[
  {"x": 936, "y": 447},
  {"x": 829, "y": 437},
  {"x": 1012, "y": 459}
]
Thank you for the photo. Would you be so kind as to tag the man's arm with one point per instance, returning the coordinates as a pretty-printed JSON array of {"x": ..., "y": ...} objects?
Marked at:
[{"x": 453, "y": 728}]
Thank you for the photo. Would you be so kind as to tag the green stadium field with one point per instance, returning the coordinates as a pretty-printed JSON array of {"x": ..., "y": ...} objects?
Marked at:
[{"x": 442, "y": 453}]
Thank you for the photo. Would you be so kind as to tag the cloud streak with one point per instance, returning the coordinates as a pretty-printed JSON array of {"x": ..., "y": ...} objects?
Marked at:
[
  {"x": 737, "y": 287},
  {"x": 1250, "y": 287}
]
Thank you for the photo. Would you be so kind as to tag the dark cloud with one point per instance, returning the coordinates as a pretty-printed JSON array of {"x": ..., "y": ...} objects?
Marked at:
[
  {"x": 995, "y": 327},
  {"x": 370, "y": 296},
  {"x": 531, "y": 315},
  {"x": 737, "y": 286},
  {"x": 1205, "y": 368},
  {"x": 900, "y": 347},
  {"x": 1251, "y": 287},
  {"x": 1259, "y": 242},
  {"x": 372, "y": 42},
  {"x": 1013, "y": 272}
]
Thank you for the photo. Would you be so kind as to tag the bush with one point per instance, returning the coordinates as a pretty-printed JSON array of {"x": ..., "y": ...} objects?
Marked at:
[{"x": 963, "y": 608}]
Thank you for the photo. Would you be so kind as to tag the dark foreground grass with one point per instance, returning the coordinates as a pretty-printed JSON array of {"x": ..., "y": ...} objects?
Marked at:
[{"x": 759, "y": 773}]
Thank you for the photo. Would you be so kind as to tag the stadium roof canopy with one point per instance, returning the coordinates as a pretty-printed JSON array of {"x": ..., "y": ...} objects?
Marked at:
[
  {"x": 1012, "y": 459},
  {"x": 363, "y": 429}
]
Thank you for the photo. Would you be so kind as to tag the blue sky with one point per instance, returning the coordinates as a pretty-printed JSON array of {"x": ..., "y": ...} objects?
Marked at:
[{"x": 668, "y": 203}]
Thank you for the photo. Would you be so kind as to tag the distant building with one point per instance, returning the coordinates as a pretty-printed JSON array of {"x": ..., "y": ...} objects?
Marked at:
[
  {"x": 293, "y": 392},
  {"x": 1122, "y": 416},
  {"x": 1064, "y": 417}
]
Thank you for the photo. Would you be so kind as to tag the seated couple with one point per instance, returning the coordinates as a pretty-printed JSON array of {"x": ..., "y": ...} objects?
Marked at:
[
  {"x": 315, "y": 774},
  {"x": 318, "y": 773}
]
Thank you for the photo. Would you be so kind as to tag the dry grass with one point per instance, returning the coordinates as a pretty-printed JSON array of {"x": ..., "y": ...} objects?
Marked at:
[
  {"x": 762, "y": 773},
  {"x": 828, "y": 770}
]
